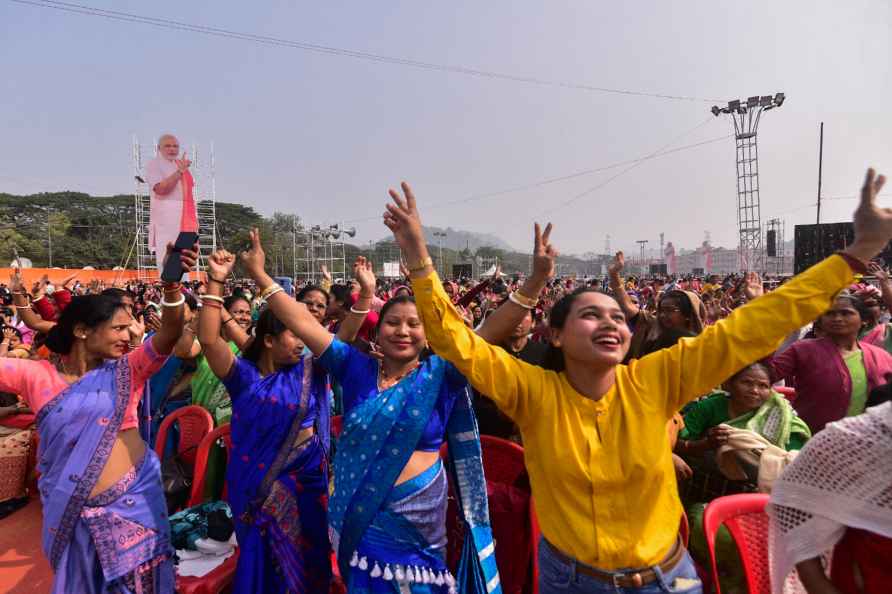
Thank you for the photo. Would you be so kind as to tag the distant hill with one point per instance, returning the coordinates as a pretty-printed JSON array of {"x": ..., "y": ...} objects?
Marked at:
[{"x": 459, "y": 240}]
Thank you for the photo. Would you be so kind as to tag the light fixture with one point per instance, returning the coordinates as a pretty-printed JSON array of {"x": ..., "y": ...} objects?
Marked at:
[
  {"x": 779, "y": 99},
  {"x": 752, "y": 102}
]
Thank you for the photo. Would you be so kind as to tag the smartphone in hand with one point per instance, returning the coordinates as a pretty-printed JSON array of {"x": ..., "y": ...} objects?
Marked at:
[{"x": 173, "y": 268}]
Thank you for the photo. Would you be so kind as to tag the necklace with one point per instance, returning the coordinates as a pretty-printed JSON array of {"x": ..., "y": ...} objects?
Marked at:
[{"x": 385, "y": 381}]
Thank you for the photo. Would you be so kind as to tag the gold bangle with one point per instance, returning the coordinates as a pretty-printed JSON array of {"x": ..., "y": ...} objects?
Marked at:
[
  {"x": 422, "y": 265},
  {"x": 269, "y": 290},
  {"x": 522, "y": 300}
]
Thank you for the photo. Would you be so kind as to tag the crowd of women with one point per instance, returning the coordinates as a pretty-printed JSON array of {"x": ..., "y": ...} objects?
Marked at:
[{"x": 635, "y": 407}]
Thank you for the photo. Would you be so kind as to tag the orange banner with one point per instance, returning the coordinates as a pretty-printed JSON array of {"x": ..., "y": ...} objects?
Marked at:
[{"x": 109, "y": 277}]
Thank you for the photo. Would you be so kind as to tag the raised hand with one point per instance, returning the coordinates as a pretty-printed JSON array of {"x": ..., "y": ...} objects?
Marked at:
[
  {"x": 326, "y": 275},
  {"x": 873, "y": 225},
  {"x": 617, "y": 264},
  {"x": 68, "y": 280},
  {"x": 16, "y": 284},
  {"x": 254, "y": 259},
  {"x": 8, "y": 335},
  {"x": 498, "y": 272},
  {"x": 183, "y": 163},
  {"x": 403, "y": 220},
  {"x": 875, "y": 269},
  {"x": 365, "y": 276},
  {"x": 404, "y": 270},
  {"x": 220, "y": 264},
  {"x": 136, "y": 329},
  {"x": 544, "y": 253},
  {"x": 752, "y": 286}
]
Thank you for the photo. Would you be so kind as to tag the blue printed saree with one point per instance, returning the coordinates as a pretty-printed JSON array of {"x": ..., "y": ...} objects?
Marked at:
[
  {"x": 116, "y": 541},
  {"x": 392, "y": 539}
]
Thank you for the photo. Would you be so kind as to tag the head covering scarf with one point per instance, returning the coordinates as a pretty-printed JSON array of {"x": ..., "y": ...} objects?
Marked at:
[{"x": 841, "y": 479}]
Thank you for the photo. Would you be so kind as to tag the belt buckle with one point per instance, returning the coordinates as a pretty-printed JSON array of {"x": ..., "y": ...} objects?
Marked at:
[{"x": 636, "y": 579}]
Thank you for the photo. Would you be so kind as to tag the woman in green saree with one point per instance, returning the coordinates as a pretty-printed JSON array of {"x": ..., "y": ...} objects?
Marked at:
[{"x": 749, "y": 403}]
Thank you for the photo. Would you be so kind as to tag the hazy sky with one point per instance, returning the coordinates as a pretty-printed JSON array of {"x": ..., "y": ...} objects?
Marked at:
[{"x": 323, "y": 136}]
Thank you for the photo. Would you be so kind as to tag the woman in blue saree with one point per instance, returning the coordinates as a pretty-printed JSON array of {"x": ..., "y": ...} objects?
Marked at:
[
  {"x": 105, "y": 526},
  {"x": 277, "y": 474},
  {"x": 388, "y": 510}
]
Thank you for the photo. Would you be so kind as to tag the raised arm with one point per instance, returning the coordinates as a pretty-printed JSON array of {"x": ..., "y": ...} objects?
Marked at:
[
  {"x": 515, "y": 386},
  {"x": 884, "y": 281},
  {"x": 352, "y": 324},
  {"x": 171, "y": 329},
  {"x": 498, "y": 326},
  {"x": 23, "y": 308},
  {"x": 215, "y": 349},
  {"x": 295, "y": 316},
  {"x": 619, "y": 290},
  {"x": 756, "y": 329}
]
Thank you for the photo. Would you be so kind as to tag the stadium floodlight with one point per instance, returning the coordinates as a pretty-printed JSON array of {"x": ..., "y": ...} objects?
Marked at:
[
  {"x": 779, "y": 99},
  {"x": 752, "y": 102}
]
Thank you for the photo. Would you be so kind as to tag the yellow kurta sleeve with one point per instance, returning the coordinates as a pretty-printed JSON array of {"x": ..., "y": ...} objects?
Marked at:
[
  {"x": 694, "y": 366},
  {"x": 515, "y": 386}
]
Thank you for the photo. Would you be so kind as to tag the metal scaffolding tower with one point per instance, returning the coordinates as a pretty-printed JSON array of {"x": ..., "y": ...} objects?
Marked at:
[
  {"x": 746, "y": 115},
  {"x": 319, "y": 246},
  {"x": 204, "y": 191}
]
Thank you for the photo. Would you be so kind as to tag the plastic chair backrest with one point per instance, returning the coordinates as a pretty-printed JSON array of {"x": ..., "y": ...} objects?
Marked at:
[
  {"x": 201, "y": 461},
  {"x": 194, "y": 423},
  {"x": 503, "y": 464},
  {"x": 744, "y": 516}
]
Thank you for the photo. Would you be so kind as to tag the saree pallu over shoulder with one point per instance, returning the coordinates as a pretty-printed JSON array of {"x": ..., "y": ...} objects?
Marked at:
[
  {"x": 76, "y": 439},
  {"x": 374, "y": 524},
  {"x": 278, "y": 487},
  {"x": 124, "y": 529}
]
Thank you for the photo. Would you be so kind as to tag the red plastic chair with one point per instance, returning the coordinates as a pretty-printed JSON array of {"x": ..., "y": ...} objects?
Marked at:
[
  {"x": 786, "y": 392},
  {"x": 337, "y": 425},
  {"x": 219, "y": 578},
  {"x": 744, "y": 516},
  {"x": 194, "y": 422},
  {"x": 201, "y": 461},
  {"x": 503, "y": 465}
]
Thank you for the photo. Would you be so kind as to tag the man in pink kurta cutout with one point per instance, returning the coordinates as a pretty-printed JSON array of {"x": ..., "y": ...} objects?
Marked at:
[{"x": 172, "y": 207}]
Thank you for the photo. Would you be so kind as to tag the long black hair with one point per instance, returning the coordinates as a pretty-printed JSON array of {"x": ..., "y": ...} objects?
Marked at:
[
  {"x": 267, "y": 325},
  {"x": 554, "y": 356},
  {"x": 90, "y": 310}
]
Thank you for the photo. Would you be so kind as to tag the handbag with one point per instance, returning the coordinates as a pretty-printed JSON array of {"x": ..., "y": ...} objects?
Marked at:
[{"x": 176, "y": 479}]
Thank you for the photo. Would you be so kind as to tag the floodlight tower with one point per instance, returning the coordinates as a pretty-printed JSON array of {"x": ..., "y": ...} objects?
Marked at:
[{"x": 746, "y": 115}]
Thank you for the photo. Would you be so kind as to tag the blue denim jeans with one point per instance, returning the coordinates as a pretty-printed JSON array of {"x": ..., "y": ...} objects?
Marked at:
[{"x": 557, "y": 576}]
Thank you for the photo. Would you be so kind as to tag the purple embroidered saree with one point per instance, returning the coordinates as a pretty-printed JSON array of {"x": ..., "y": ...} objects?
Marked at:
[{"x": 118, "y": 541}]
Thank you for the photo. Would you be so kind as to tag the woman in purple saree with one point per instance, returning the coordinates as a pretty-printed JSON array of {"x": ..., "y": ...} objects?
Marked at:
[
  {"x": 105, "y": 527},
  {"x": 277, "y": 474}
]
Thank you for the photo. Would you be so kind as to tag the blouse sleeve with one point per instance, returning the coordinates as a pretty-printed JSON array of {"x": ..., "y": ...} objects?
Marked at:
[
  {"x": 338, "y": 358},
  {"x": 695, "y": 366},
  {"x": 25, "y": 378},
  {"x": 516, "y": 387},
  {"x": 144, "y": 362},
  {"x": 240, "y": 378}
]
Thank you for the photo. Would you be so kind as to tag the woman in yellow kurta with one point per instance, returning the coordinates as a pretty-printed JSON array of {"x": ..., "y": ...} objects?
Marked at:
[{"x": 594, "y": 431}]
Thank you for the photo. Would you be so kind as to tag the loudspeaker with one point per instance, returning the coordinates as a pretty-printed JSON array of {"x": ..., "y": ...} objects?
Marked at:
[
  {"x": 771, "y": 240},
  {"x": 811, "y": 247},
  {"x": 461, "y": 271}
]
